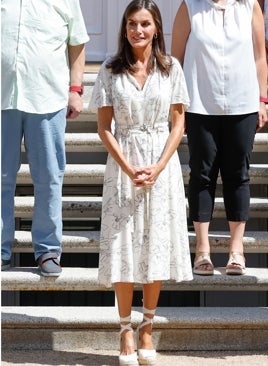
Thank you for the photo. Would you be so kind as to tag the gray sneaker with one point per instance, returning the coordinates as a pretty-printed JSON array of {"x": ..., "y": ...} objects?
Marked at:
[
  {"x": 5, "y": 264},
  {"x": 49, "y": 264}
]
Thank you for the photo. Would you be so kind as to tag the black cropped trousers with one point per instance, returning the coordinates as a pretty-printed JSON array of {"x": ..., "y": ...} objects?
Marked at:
[{"x": 220, "y": 144}]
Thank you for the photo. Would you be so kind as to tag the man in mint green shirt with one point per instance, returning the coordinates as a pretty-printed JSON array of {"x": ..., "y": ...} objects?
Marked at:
[{"x": 42, "y": 64}]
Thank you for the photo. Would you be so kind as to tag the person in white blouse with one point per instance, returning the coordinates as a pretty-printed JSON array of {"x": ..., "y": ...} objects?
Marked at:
[
  {"x": 42, "y": 65},
  {"x": 221, "y": 47},
  {"x": 144, "y": 236},
  {"x": 266, "y": 22},
  {"x": 264, "y": 8}
]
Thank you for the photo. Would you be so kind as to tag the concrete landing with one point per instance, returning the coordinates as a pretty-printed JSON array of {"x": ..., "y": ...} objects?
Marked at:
[{"x": 88, "y": 357}]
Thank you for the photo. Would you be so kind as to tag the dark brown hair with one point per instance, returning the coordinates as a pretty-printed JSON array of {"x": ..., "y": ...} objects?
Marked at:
[{"x": 124, "y": 59}]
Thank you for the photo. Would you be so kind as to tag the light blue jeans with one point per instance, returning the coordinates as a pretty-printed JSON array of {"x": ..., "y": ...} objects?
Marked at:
[{"x": 44, "y": 143}]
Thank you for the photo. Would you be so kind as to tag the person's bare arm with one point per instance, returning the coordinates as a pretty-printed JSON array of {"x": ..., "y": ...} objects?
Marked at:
[
  {"x": 177, "y": 118},
  {"x": 180, "y": 32},
  {"x": 177, "y": 130},
  {"x": 105, "y": 115},
  {"x": 77, "y": 65},
  {"x": 258, "y": 32}
]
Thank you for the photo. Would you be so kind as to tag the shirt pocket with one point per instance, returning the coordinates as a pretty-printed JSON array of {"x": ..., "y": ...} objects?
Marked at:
[{"x": 48, "y": 31}]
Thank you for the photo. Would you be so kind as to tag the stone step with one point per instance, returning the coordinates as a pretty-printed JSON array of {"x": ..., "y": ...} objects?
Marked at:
[
  {"x": 92, "y": 174},
  {"x": 88, "y": 242},
  {"x": 83, "y": 142},
  {"x": 89, "y": 125},
  {"x": 75, "y": 174},
  {"x": 86, "y": 279},
  {"x": 183, "y": 328},
  {"x": 84, "y": 207},
  {"x": 90, "y": 142},
  {"x": 75, "y": 142}
]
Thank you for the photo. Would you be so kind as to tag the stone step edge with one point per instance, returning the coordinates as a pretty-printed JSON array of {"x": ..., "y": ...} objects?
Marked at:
[
  {"x": 85, "y": 207},
  {"x": 79, "y": 174},
  {"x": 68, "y": 317},
  {"x": 86, "y": 279},
  {"x": 91, "y": 142},
  {"x": 260, "y": 143},
  {"x": 209, "y": 332},
  {"x": 88, "y": 242}
]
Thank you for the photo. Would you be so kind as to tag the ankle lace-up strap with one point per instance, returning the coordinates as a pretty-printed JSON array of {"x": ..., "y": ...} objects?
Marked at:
[
  {"x": 124, "y": 327},
  {"x": 146, "y": 319},
  {"x": 147, "y": 311}
]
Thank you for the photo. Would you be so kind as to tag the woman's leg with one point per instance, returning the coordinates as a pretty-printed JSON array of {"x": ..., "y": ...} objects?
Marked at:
[
  {"x": 202, "y": 263},
  {"x": 236, "y": 262},
  {"x": 201, "y": 231},
  {"x": 237, "y": 230},
  {"x": 151, "y": 294},
  {"x": 124, "y": 295},
  {"x": 238, "y": 134},
  {"x": 203, "y": 140}
]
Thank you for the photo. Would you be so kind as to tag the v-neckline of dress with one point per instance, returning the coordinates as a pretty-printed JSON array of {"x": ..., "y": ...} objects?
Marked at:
[{"x": 136, "y": 83}]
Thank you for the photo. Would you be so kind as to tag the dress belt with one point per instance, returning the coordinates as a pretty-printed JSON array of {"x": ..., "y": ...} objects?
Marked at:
[{"x": 140, "y": 129}]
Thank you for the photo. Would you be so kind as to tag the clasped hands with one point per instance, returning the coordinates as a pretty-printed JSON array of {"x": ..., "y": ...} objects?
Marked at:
[{"x": 145, "y": 177}]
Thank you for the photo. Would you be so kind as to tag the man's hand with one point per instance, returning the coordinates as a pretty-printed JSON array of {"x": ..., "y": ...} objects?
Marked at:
[{"x": 75, "y": 105}]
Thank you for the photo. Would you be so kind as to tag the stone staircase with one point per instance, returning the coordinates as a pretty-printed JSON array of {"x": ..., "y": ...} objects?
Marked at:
[{"x": 239, "y": 326}]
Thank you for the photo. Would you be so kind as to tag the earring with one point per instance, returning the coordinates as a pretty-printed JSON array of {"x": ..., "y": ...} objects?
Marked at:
[{"x": 155, "y": 36}]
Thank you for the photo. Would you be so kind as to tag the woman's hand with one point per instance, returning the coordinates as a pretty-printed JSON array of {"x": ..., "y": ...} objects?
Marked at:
[{"x": 146, "y": 177}]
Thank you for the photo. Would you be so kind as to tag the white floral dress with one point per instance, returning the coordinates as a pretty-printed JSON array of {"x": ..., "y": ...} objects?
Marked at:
[{"x": 144, "y": 234}]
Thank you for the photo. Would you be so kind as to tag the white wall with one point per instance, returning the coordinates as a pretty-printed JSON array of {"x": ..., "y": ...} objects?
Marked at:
[{"x": 103, "y": 17}]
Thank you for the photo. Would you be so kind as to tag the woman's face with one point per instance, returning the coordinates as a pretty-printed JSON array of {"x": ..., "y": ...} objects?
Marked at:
[{"x": 140, "y": 29}]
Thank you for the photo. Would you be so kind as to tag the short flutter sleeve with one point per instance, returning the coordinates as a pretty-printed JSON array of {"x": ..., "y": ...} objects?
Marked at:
[
  {"x": 102, "y": 91},
  {"x": 179, "y": 92}
]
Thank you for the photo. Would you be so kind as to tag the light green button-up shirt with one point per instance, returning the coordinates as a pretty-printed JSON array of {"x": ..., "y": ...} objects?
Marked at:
[{"x": 35, "y": 35}]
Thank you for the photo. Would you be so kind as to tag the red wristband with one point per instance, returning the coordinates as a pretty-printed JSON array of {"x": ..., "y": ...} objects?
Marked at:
[
  {"x": 78, "y": 89},
  {"x": 264, "y": 100}
]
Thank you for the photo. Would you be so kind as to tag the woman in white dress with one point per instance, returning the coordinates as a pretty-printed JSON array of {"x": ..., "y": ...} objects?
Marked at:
[{"x": 144, "y": 236}]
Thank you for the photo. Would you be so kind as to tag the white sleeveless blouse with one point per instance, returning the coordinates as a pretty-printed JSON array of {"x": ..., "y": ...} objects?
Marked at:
[{"x": 219, "y": 63}]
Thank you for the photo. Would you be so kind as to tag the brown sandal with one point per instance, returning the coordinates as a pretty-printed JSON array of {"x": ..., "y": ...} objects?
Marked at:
[
  {"x": 203, "y": 259},
  {"x": 236, "y": 264}
]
